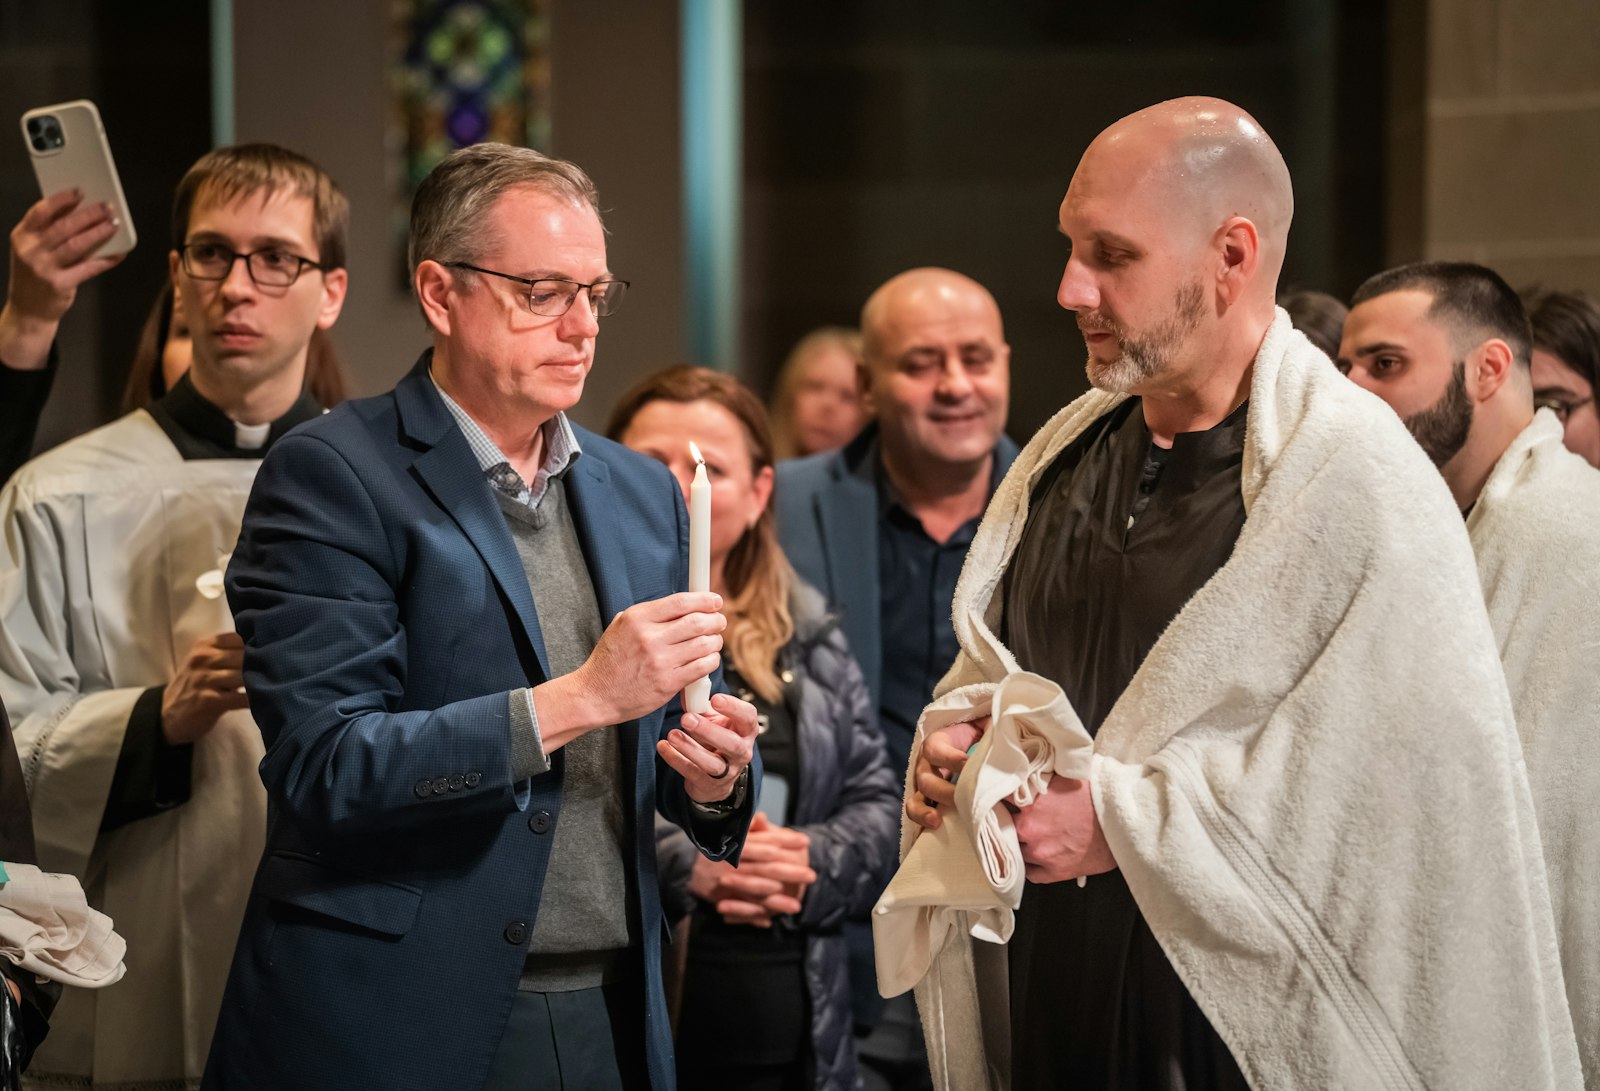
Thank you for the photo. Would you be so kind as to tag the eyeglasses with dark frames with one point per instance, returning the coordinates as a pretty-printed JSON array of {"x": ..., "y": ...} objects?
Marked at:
[
  {"x": 1562, "y": 407},
  {"x": 269, "y": 267},
  {"x": 552, "y": 297}
]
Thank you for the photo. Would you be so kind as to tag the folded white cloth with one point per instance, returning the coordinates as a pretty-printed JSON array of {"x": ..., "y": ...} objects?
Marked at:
[
  {"x": 48, "y": 929},
  {"x": 967, "y": 875}
]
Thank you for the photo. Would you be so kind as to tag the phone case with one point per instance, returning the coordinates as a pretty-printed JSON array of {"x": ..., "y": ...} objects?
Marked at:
[{"x": 67, "y": 144}]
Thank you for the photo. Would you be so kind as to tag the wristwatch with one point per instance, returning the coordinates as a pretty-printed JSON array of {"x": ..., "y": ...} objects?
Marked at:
[{"x": 726, "y": 806}]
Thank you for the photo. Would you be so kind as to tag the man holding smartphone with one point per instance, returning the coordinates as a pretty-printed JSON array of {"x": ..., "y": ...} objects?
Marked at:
[{"x": 118, "y": 659}]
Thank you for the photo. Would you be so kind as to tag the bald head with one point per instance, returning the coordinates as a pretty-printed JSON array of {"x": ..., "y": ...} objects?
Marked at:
[
  {"x": 1178, "y": 217},
  {"x": 915, "y": 296},
  {"x": 1205, "y": 161},
  {"x": 938, "y": 369}
]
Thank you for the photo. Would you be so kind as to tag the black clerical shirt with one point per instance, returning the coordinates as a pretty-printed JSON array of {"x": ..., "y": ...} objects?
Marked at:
[
  {"x": 153, "y": 775},
  {"x": 1120, "y": 535}
]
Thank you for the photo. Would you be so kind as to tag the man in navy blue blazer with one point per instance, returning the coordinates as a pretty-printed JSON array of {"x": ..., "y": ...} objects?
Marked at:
[
  {"x": 882, "y": 528},
  {"x": 465, "y": 632}
]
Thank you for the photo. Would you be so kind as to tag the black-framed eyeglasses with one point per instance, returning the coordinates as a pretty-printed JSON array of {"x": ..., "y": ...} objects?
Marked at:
[
  {"x": 269, "y": 267},
  {"x": 553, "y": 297},
  {"x": 1562, "y": 407}
]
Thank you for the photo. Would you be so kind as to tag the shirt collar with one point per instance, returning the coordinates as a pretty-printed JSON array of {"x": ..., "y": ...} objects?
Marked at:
[
  {"x": 201, "y": 430},
  {"x": 560, "y": 451},
  {"x": 888, "y": 496},
  {"x": 1196, "y": 456}
]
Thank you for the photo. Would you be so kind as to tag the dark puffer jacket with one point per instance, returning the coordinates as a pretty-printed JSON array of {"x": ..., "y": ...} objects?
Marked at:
[{"x": 848, "y": 801}]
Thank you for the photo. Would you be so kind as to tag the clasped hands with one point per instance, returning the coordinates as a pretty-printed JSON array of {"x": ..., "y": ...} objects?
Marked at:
[
  {"x": 771, "y": 880},
  {"x": 1059, "y": 833}
]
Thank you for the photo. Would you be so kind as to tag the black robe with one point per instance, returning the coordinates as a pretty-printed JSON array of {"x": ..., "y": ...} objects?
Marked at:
[
  {"x": 22, "y": 398},
  {"x": 1120, "y": 535}
]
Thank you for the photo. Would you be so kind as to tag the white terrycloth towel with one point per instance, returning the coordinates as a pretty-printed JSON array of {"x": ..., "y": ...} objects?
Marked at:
[
  {"x": 1536, "y": 532},
  {"x": 967, "y": 876},
  {"x": 48, "y": 929},
  {"x": 1313, "y": 784}
]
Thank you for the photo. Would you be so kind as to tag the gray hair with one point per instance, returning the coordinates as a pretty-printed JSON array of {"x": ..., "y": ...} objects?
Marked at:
[{"x": 449, "y": 211}]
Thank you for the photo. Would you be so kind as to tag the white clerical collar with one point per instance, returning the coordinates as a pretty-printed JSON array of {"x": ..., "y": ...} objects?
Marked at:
[{"x": 250, "y": 437}]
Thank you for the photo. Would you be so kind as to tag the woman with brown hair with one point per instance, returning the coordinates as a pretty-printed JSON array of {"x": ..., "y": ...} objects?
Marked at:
[
  {"x": 164, "y": 353},
  {"x": 765, "y": 997}
]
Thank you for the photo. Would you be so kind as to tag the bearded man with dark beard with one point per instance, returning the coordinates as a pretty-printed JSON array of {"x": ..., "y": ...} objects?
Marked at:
[
  {"x": 1442, "y": 428},
  {"x": 1532, "y": 510}
]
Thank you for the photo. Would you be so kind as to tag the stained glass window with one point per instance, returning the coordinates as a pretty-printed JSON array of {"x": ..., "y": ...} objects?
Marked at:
[{"x": 464, "y": 71}]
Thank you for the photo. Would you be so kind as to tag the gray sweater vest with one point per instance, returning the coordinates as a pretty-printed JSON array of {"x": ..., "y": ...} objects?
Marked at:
[{"x": 583, "y": 913}]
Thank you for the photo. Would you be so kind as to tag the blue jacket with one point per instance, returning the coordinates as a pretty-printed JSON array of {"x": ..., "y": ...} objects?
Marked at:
[
  {"x": 386, "y": 615},
  {"x": 827, "y": 511}
]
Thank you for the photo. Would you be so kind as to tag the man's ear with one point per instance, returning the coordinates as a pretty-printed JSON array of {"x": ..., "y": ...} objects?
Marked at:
[
  {"x": 433, "y": 282},
  {"x": 864, "y": 388},
  {"x": 1489, "y": 367},
  {"x": 1239, "y": 247},
  {"x": 335, "y": 283}
]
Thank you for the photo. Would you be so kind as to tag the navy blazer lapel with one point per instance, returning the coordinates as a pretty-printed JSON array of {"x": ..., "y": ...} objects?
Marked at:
[
  {"x": 452, "y": 475},
  {"x": 594, "y": 516},
  {"x": 848, "y": 517}
]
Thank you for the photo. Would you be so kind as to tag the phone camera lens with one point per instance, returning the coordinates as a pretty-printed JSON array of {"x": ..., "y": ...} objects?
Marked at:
[{"x": 44, "y": 133}]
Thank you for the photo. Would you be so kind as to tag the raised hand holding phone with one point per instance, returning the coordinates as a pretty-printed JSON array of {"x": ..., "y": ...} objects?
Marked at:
[
  {"x": 69, "y": 151},
  {"x": 79, "y": 229}
]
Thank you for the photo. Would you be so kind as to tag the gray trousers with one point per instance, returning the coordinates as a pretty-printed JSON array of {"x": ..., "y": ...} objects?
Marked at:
[{"x": 585, "y": 1040}]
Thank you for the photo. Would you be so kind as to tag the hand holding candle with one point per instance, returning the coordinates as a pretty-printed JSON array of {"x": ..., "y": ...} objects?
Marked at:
[{"x": 697, "y": 695}]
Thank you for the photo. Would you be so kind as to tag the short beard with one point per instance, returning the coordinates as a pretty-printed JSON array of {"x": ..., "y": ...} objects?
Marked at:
[
  {"x": 1142, "y": 359},
  {"x": 1441, "y": 429}
]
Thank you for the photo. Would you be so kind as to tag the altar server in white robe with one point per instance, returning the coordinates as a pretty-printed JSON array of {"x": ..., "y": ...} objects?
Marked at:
[
  {"x": 1448, "y": 346},
  {"x": 118, "y": 658}
]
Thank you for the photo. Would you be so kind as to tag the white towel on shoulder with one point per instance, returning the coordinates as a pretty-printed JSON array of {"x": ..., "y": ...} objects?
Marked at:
[{"x": 1536, "y": 532}]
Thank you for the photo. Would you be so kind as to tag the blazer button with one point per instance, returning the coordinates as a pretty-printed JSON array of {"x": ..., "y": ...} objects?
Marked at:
[
  {"x": 516, "y": 933},
  {"x": 424, "y": 789},
  {"x": 539, "y": 821},
  {"x": 472, "y": 779},
  {"x": 456, "y": 782},
  {"x": 441, "y": 786}
]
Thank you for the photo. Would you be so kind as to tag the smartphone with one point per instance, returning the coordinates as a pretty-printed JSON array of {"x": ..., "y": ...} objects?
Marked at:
[{"x": 68, "y": 146}]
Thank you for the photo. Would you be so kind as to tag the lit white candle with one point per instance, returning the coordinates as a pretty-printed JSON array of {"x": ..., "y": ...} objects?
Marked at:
[{"x": 697, "y": 697}]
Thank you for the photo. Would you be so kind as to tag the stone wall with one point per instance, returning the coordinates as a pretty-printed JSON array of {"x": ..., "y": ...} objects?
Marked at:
[{"x": 1510, "y": 140}]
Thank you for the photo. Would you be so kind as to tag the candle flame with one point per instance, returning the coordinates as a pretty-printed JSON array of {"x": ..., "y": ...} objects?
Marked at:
[{"x": 695, "y": 451}]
